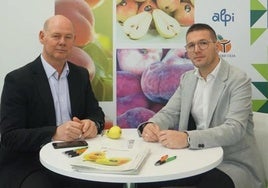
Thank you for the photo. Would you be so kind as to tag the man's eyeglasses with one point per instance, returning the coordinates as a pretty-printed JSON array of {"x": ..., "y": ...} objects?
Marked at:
[{"x": 202, "y": 44}]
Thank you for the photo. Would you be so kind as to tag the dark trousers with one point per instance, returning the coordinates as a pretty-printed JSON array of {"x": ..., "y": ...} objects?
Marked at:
[
  {"x": 48, "y": 179},
  {"x": 211, "y": 179}
]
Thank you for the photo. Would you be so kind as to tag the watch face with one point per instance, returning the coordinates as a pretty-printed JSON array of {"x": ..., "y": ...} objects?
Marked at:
[{"x": 139, "y": 132}]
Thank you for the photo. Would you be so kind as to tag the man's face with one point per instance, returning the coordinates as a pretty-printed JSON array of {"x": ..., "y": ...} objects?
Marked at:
[
  {"x": 202, "y": 49},
  {"x": 58, "y": 41}
]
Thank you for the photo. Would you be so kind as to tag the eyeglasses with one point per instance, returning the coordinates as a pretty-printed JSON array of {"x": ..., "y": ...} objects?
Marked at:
[{"x": 202, "y": 44}]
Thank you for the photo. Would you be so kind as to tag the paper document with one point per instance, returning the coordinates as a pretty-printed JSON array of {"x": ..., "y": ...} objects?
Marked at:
[{"x": 111, "y": 160}]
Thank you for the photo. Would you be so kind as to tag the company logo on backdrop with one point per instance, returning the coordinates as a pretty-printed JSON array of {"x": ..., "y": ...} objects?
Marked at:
[
  {"x": 223, "y": 16},
  {"x": 226, "y": 46}
]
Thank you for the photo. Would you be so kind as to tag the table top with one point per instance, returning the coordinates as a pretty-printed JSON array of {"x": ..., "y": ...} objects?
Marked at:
[{"x": 188, "y": 162}]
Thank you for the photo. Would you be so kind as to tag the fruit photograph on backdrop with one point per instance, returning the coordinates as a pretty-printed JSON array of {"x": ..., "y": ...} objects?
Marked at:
[
  {"x": 158, "y": 20},
  {"x": 146, "y": 79},
  {"x": 94, "y": 37}
]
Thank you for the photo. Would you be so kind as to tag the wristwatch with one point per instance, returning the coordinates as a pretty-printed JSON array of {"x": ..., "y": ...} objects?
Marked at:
[
  {"x": 141, "y": 127},
  {"x": 188, "y": 139},
  {"x": 99, "y": 126}
]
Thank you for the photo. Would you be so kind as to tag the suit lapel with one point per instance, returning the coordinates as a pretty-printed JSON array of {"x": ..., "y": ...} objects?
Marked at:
[
  {"x": 218, "y": 88},
  {"x": 186, "y": 103},
  {"x": 74, "y": 89},
  {"x": 42, "y": 84}
]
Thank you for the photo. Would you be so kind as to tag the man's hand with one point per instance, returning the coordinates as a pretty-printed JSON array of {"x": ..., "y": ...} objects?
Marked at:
[
  {"x": 173, "y": 139},
  {"x": 70, "y": 130},
  {"x": 150, "y": 132},
  {"x": 89, "y": 128},
  {"x": 76, "y": 129}
]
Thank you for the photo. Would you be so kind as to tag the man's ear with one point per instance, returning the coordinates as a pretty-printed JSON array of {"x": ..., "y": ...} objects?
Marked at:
[
  {"x": 41, "y": 37},
  {"x": 217, "y": 46}
]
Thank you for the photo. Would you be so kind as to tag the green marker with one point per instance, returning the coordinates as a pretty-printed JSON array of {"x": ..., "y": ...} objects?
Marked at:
[{"x": 171, "y": 158}]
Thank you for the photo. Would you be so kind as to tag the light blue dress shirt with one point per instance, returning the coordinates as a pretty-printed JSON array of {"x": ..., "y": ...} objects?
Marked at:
[{"x": 60, "y": 91}]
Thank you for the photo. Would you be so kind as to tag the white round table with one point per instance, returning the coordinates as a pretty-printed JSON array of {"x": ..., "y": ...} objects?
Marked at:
[{"x": 188, "y": 162}]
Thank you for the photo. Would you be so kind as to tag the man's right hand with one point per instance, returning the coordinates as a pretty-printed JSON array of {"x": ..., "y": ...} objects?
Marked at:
[{"x": 68, "y": 131}]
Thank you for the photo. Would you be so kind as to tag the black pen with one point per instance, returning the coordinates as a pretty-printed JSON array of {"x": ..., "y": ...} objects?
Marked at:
[{"x": 160, "y": 162}]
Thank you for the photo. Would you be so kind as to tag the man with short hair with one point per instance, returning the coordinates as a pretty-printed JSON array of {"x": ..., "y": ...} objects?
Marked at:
[{"x": 210, "y": 108}]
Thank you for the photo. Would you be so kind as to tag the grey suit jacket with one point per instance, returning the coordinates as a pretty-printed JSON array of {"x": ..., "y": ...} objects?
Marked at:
[{"x": 230, "y": 123}]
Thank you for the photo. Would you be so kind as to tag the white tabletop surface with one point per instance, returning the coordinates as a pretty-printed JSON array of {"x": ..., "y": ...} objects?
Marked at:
[{"x": 188, "y": 162}]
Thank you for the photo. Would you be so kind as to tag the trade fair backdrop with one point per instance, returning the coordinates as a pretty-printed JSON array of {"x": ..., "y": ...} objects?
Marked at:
[{"x": 133, "y": 57}]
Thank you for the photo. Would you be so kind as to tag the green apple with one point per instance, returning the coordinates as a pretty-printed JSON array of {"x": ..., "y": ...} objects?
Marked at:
[{"x": 114, "y": 132}]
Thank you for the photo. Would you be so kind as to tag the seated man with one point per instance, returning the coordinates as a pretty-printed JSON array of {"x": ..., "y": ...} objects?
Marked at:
[
  {"x": 47, "y": 99},
  {"x": 211, "y": 108}
]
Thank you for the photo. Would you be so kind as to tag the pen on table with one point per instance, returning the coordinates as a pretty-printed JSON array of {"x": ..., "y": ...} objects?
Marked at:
[
  {"x": 161, "y": 160},
  {"x": 168, "y": 159},
  {"x": 75, "y": 152}
]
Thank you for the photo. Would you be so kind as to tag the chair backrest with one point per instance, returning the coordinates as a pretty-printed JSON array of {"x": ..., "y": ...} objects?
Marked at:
[{"x": 261, "y": 134}]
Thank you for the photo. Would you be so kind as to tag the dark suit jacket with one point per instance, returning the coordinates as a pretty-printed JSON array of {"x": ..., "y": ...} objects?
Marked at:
[{"x": 28, "y": 118}]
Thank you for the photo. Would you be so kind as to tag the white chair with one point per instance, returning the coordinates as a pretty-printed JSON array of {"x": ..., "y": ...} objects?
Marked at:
[{"x": 261, "y": 134}]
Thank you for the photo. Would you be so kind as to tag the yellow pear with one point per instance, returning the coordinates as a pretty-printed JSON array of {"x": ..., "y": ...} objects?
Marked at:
[
  {"x": 166, "y": 25},
  {"x": 135, "y": 27},
  {"x": 114, "y": 132}
]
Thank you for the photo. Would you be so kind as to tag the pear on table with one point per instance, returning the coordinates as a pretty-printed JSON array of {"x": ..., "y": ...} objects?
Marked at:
[
  {"x": 137, "y": 26},
  {"x": 166, "y": 25},
  {"x": 114, "y": 132}
]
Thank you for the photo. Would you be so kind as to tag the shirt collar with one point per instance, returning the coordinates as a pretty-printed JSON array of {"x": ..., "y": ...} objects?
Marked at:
[
  {"x": 213, "y": 74},
  {"x": 51, "y": 71}
]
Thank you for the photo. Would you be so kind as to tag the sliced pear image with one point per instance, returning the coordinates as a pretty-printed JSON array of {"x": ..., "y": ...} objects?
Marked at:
[
  {"x": 112, "y": 161},
  {"x": 166, "y": 26},
  {"x": 135, "y": 27},
  {"x": 93, "y": 156}
]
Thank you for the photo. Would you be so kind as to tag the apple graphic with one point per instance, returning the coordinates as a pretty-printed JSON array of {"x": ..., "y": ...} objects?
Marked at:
[
  {"x": 137, "y": 60},
  {"x": 185, "y": 14},
  {"x": 168, "y": 6},
  {"x": 147, "y": 6},
  {"x": 126, "y": 9},
  {"x": 82, "y": 18}
]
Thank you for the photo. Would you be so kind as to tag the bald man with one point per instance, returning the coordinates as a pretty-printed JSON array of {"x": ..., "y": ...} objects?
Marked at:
[{"x": 47, "y": 99}]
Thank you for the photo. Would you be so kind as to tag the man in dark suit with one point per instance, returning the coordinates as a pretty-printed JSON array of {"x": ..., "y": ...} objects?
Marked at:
[{"x": 47, "y": 99}]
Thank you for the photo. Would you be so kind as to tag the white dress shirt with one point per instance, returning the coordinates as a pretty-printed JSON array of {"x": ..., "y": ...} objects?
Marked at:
[
  {"x": 202, "y": 96},
  {"x": 60, "y": 91}
]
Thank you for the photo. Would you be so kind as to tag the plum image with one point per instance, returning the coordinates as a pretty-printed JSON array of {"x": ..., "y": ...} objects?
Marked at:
[
  {"x": 127, "y": 83},
  {"x": 137, "y": 60},
  {"x": 133, "y": 117},
  {"x": 131, "y": 101},
  {"x": 155, "y": 106},
  {"x": 176, "y": 54},
  {"x": 160, "y": 80}
]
